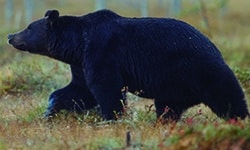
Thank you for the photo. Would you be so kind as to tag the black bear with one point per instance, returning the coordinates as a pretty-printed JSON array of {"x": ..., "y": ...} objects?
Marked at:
[{"x": 167, "y": 59}]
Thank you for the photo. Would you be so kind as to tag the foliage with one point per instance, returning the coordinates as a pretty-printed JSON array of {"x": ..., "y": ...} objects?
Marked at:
[
  {"x": 33, "y": 76},
  {"x": 244, "y": 76}
]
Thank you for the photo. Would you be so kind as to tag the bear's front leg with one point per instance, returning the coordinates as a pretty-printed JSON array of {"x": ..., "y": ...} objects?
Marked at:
[
  {"x": 110, "y": 101},
  {"x": 74, "y": 97},
  {"x": 106, "y": 86}
]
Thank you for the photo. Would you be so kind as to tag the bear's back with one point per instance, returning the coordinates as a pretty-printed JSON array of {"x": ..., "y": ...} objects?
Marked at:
[
  {"x": 167, "y": 36},
  {"x": 99, "y": 17},
  {"x": 164, "y": 34}
]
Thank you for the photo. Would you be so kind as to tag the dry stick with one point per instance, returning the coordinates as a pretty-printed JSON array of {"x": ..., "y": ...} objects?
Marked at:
[{"x": 128, "y": 139}]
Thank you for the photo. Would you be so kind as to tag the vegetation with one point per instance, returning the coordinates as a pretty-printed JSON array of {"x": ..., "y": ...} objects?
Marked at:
[{"x": 26, "y": 80}]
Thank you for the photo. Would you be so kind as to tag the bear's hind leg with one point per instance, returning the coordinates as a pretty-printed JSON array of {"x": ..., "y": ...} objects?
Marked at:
[
  {"x": 165, "y": 112},
  {"x": 171, "y": 110},
  {"x": 223, "y": 94},
  {"x": 174, "y": 100},
  {"x": 228, "y": 107}
]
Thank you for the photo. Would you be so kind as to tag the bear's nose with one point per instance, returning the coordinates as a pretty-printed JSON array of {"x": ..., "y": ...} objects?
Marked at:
[{"x": 10, "y": 36}]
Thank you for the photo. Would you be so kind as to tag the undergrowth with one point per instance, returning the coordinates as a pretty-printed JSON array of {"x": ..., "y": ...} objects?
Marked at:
[{"x": 32, "y": 76}]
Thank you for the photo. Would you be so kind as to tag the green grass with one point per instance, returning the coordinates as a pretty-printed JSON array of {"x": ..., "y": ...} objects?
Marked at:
[{"x": 26, "y": 81}]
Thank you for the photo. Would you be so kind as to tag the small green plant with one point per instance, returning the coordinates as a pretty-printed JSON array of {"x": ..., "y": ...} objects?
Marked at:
[{"x": 243, "y": 76}]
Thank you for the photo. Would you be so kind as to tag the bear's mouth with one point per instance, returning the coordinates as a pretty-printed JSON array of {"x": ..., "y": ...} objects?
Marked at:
[
  {"x": 18, "y": 45},
  {"x": 16, "y": 42}
]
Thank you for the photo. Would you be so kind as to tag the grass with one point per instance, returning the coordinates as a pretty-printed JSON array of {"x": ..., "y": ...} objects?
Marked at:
[{"x": 27, "y": 80}]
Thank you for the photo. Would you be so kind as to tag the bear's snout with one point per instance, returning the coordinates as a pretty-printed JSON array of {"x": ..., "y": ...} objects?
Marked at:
[
  {"x": 10, "y": 38},
  {"x": 16, "y": 41}
]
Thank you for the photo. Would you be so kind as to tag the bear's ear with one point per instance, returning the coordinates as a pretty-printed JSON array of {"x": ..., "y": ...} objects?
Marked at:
[{"x": 51, "y": 15}]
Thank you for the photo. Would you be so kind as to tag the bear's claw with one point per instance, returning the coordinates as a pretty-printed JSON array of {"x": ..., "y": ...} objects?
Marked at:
[{"x": 52, "y": 109}]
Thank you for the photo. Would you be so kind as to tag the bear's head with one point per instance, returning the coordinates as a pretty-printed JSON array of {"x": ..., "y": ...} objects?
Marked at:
[{"x": 35, "y": 38}]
